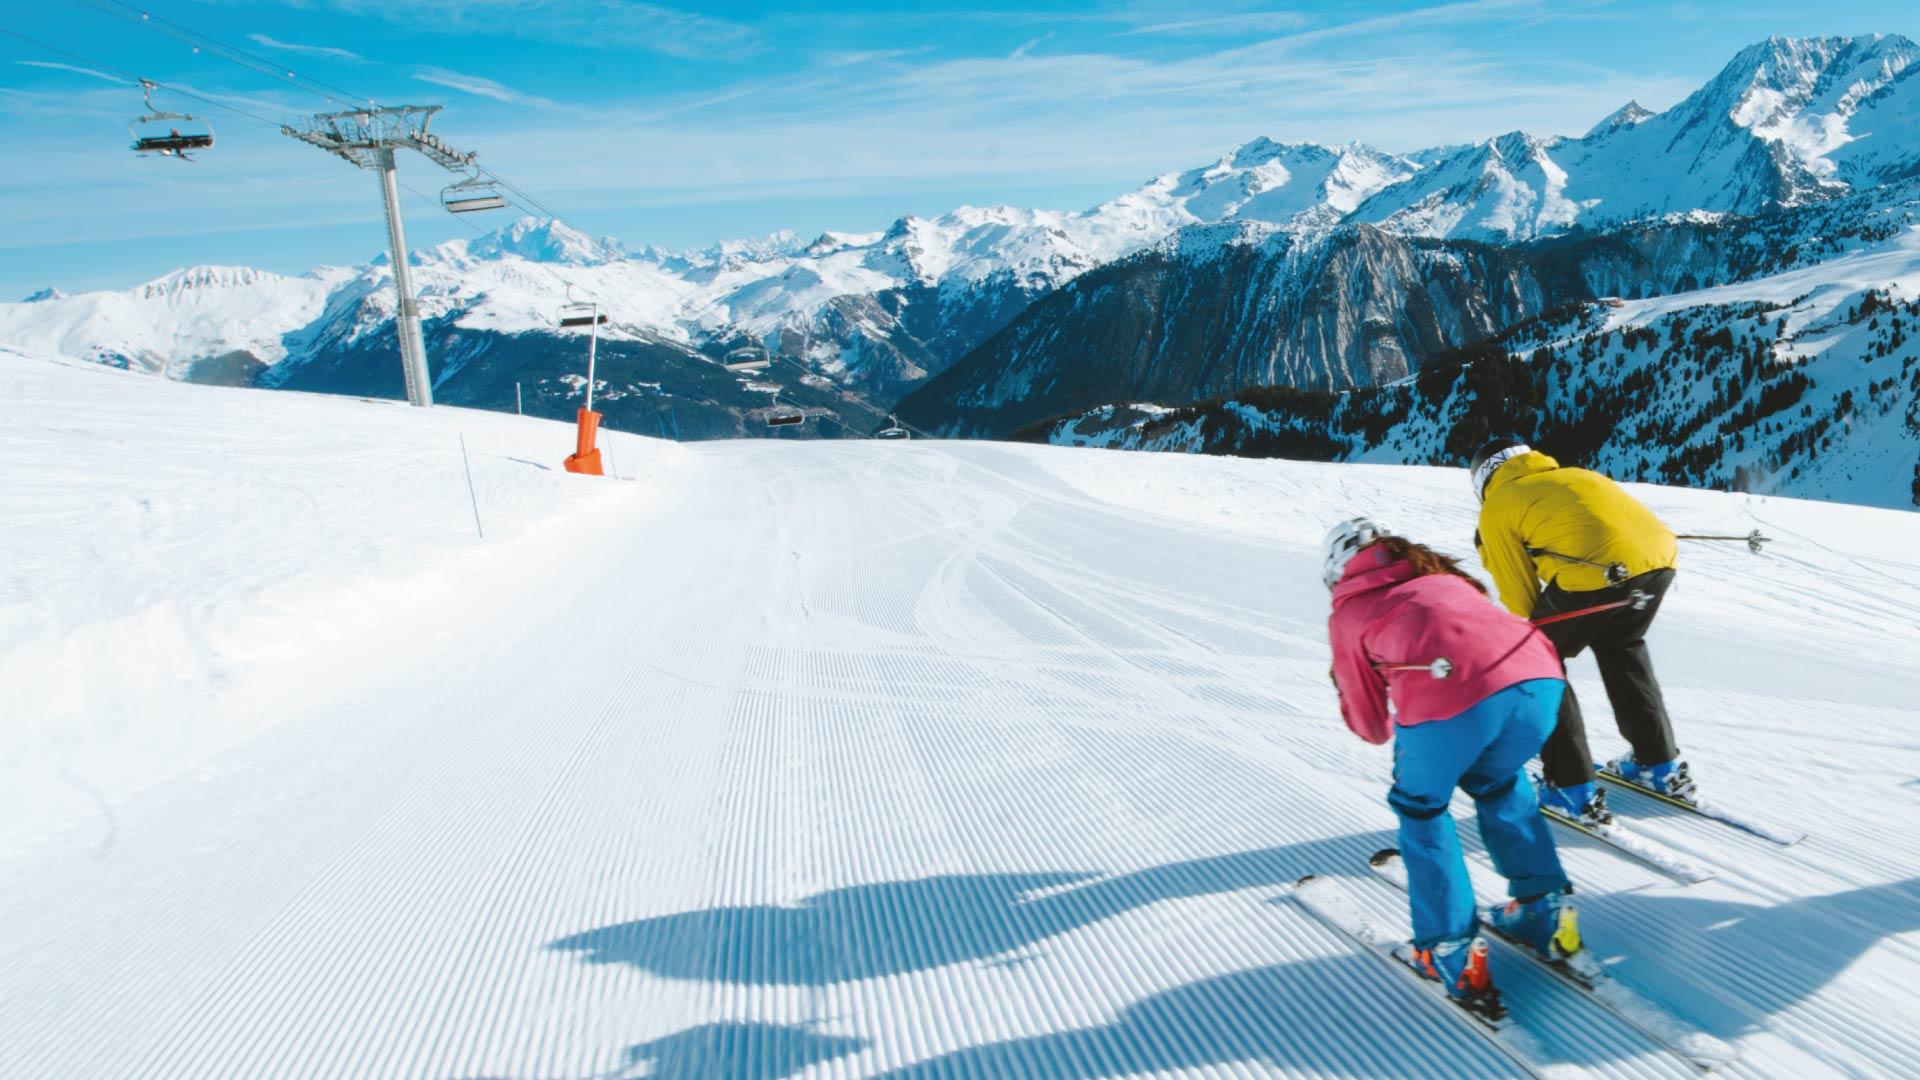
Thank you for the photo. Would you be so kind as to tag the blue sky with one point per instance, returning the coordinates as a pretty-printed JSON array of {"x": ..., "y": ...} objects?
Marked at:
[{"x": 682, "y": 125}]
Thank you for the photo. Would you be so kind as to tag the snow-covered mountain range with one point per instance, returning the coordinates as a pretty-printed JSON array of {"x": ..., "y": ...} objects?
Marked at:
[
  {"x": 882, "y": 309},
  {"x": 1787, "y": 122},
  {"x": 1278, "y": 263}
]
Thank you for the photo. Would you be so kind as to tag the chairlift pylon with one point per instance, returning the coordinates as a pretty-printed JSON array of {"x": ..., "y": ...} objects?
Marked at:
[
  {"x": 174, "y": 143},
  {"x": 472, "y": 194}
]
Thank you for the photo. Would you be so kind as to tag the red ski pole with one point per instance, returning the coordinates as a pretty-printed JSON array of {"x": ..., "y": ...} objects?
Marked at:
[{"x": 1637, "y": 600}]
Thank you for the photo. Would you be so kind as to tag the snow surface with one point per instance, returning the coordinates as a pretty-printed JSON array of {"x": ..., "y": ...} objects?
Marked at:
[{"x": 922, "y": 759}]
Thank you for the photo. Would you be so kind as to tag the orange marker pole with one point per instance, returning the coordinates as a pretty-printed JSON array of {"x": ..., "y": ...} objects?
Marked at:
[{"x": 586, "y": 457}]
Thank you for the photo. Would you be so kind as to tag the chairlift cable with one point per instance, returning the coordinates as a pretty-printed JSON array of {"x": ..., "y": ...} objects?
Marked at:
[
  {"x": 249, "y": 114},
  {"x": 258, "y": 64},
  {"x": 127, "y": 75},
  {"x": 135, "y": 80},
  {"x": 265, "y": 66}
]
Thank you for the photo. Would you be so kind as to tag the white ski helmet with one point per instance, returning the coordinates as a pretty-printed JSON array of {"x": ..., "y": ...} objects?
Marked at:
[
  {"x": 1487, "y": 460},
  {"x": 1343, "y": 542}
]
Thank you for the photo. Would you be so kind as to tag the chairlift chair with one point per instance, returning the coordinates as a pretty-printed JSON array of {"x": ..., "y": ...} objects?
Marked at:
[
  {"x": 748, "y": 358},
  {"x": 779, "y": 415},
  {"x": 893, "y": 430},
  {"x": 174, "y": 143},
  {"x": 473, "y": 193},
  {"x": 588, "y": 314},
  {"x": 581, "y": 314}
]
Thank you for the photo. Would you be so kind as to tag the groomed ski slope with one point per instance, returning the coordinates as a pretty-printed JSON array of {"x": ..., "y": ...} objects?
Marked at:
[{"x": 836, "y": 759}]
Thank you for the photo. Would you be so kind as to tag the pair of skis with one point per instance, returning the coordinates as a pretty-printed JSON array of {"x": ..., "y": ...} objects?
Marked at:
[
  {"x": 1658, "y": 856},
  {"x": 1328, "y": 901},
  {"x": 1705, "y": 809}
]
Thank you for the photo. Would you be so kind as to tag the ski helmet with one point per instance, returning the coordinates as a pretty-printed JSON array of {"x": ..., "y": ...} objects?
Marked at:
[
  {"x": 1487, "y": 460},
  {"x": 1343, "y": 542}
]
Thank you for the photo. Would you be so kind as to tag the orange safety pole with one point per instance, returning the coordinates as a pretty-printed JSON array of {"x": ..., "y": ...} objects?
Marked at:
[{"x": 586, "y": 457}]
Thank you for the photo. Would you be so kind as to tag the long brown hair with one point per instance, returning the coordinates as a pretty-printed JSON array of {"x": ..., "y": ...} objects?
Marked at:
[{"x": 1425, "y": 560}]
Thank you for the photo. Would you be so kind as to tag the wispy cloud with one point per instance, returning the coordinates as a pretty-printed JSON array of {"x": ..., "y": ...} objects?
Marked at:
[
  {"x": 1087, "y": 113},
  {"x": 480, "y": 86},
  {"x": 321, "y": 52},
  {"x": 589, "y": 24},
  {"x": 54, "y": 66},
  {"x": 1021, "y": 52},
  {"x": 1246, "y": 22},
  {"x": 855, "y": 57}
]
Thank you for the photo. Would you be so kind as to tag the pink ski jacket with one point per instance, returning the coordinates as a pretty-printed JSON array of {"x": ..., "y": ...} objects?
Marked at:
[{"x": 1383, "y": 614}]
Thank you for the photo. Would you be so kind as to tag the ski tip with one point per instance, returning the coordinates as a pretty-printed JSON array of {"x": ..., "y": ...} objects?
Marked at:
[{"x": 1383, "y": 856}]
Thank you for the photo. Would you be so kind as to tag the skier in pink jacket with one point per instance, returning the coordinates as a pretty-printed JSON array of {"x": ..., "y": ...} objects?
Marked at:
[{"x": 1467, "y": 692}]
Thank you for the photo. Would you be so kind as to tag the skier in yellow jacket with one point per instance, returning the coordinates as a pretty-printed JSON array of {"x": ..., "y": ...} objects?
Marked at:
[{"x": 1560, "y": 541}]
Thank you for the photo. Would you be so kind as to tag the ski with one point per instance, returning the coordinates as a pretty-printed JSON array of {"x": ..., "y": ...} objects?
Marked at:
[
  {"x": 1326, "y": 900},
  {"x": 1582, "y": 970},
  {"x": 1785, "y": 838},
  {"x": 1631, "y": 844}
]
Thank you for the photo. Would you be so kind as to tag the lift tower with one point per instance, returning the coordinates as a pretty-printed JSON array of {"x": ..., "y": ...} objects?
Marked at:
[{"x": 367, "y": 138}]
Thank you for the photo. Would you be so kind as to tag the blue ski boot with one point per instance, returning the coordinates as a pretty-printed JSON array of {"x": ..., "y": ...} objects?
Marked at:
[
  {"x": 1546, "y": 924},
  {"x": 1461, "y": 967},
  {"x": 1669, "y": 778},
  {"x": 1585, "y": 804}
]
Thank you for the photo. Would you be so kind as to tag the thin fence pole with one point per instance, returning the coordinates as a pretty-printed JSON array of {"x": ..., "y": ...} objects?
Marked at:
[
  {"x": 471, "y": 497},
  {"x": 516, "y": 399}
]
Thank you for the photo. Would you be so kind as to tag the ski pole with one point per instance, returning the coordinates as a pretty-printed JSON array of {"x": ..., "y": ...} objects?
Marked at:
[
  {"x": 1637, "y": 600},
  {"x": 1753, "y": 539},
  {"x": 1616, "y": 572},
  {"x": 1439, "y": 669}
]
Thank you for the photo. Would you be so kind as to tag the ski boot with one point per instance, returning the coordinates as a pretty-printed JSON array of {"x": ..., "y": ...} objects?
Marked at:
[
  {"x": 1461, "y": 967},
  {"x": 1546, "y": 924},
  {"x": 1669, "y": 778},
  {"x": 1585, "y": 804}
]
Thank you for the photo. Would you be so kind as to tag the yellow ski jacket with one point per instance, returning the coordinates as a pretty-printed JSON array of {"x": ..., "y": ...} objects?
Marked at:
[{"x": 1534, "y": 505}]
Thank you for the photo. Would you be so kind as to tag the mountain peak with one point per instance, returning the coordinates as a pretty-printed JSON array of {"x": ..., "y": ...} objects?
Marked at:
[
  {"x": 1263, "y": 150},
  {"x": 546, "y": 240},
  {"x": 48, "y": 293},
  {"x": 1625, "y": 116},
  {"x": 1769, "y": 81}
]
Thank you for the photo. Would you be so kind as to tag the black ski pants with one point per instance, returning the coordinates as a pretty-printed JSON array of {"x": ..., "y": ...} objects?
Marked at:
[{"x": 1618, "y": 639}]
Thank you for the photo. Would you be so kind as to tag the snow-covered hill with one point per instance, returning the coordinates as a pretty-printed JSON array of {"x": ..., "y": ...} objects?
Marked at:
[{"x": 868, "y": 759}]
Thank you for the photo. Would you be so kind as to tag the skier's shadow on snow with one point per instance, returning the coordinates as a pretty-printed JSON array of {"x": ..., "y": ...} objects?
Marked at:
[
  {"x": 867, "y": 931},
  {"x": 1772, "y": 956},
  {"x": 739, "y": 1050},
  {"x": 1322, "y": 1016}
]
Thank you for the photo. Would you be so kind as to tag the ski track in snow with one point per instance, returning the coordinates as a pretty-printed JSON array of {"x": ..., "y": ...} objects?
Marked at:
[{"x": 863, "y": 759}]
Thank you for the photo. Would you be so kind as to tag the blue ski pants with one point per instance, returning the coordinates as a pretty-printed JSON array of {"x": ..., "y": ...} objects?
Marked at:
[{"x": 1482, "y": 751}]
